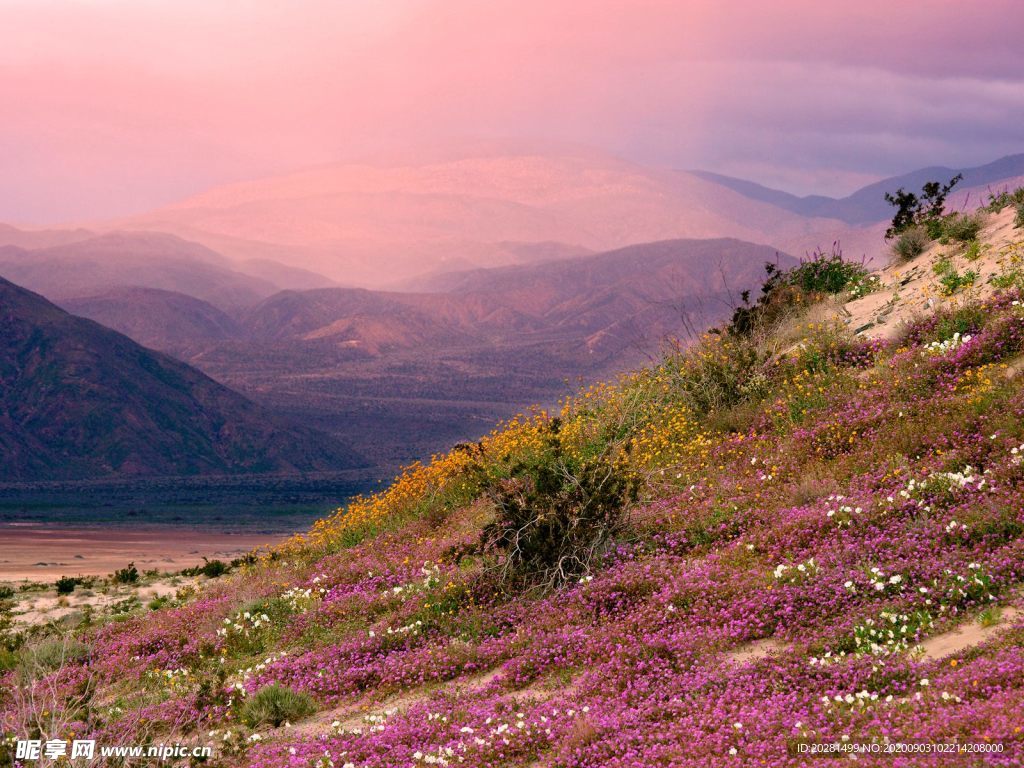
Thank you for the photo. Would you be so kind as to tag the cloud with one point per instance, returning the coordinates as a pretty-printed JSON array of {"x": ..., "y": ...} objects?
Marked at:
[{"x": 116, "y": 106}]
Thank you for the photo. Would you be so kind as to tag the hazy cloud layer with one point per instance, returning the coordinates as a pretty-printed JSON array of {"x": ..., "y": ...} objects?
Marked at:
[{"x": 112, "y": 107}]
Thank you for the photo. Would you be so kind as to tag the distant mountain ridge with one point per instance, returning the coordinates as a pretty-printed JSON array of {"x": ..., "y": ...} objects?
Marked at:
[
  {"x": 867, "y": 205},
  {"x": 379, "y": 225},
  {"x": 66, "y": 264},
  {"x": 399, "y": 375},
  {"x": 79, "y": 400},
  {"x": 376, "y": 226},
  {"x": 166, "y": 320},
  {"x": 563, "y": 299}
]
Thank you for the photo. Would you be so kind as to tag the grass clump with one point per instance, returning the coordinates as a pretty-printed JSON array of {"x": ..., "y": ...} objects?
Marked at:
[
  {"x": 950, "y": 278},
  {"x": 275, "y": 705},
  {"x": 39, "y": 660},
  {"x": 961, "y": 227},
  {"x": 911, "y": 243},
  {"x": 990, "y": 616}
]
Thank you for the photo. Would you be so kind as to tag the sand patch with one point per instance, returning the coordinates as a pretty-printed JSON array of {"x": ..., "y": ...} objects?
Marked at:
[
  {"x": 45, "y": 552},
  {"x": 758, "y": 649},
  {"x": 42, "y": 606},
  {"x": 967, "y": 636}
]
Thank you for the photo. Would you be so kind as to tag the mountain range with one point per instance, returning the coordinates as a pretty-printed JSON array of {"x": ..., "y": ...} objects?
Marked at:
[
  {"x": 467, "y": 349},
  {"x": 377, "y": 225},
  {"x": 402, "y": 307},
  {"x": 867, "y": 205},
  {"x": 85, "y": 263},
  {"x": 80, "y": 400}
]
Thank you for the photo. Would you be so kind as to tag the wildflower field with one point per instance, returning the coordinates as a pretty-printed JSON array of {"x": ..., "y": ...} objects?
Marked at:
[{"x": 757, "y": 544}]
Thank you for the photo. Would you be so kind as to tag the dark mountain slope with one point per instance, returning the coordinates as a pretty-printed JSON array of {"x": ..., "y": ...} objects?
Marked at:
[
  {"x": 79, "y": 400},
  {"x": 164, "y": 320}
]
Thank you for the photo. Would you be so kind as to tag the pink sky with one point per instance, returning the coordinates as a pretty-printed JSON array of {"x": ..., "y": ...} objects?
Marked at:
[{"x": 112, "y": 107}]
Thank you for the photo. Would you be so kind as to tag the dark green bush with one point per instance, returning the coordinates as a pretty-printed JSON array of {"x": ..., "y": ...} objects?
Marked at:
[
  {"x": 555, "y": 514},
  {"x": 158, "y": 602},
  {"x": 66, "y": 585},
  {"x": 275, "y": 705},
  {"x": 210, "y": 568},
  {"x": 924, "y": 210},
  {"x": 823, "y": 274},
  {"x": 128, "y": 575}
]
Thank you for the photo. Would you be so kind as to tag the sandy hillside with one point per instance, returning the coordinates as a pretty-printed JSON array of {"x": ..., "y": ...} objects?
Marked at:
[{"x": 911, "y": 289}]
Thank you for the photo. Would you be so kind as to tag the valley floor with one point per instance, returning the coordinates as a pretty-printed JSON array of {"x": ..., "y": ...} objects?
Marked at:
[{"x": 45, "y": 552}]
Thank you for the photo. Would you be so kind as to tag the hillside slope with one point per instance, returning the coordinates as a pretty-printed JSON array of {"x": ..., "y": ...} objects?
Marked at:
[
  {"x": 165, "y": 320},
  {"x": 786, "y": 536},
  {"x": 79, "y": 400}
]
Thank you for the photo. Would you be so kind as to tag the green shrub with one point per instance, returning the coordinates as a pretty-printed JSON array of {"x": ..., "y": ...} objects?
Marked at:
[
  {"x": 275, "y": 705},
  {"x": 951, "y": 280},
  {"x": 973, "y": 251},
  {"x": 823, "y": 274},
  {"x": 911, "y": 243},
  {"x": 126, "y": 606},
  {"x": 128, "y": 575},
  {"x": 210, "y": 568},
  {"x": 924, "y": 210},
  {"x": 158, "y": 602},
  {"x": 66, "y": 585},
  {"x": 555, "y": 514},
  {"x": 721, "y": 373},
  {"x": 10, "y": 638},
  {"x": 997, "y": 202},
  {"x": 1018, "y": 220},
  {"x": 39, "y": 660},
  {"x": 963, "y": 227},
  {"x": 214, "y": 568}
]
